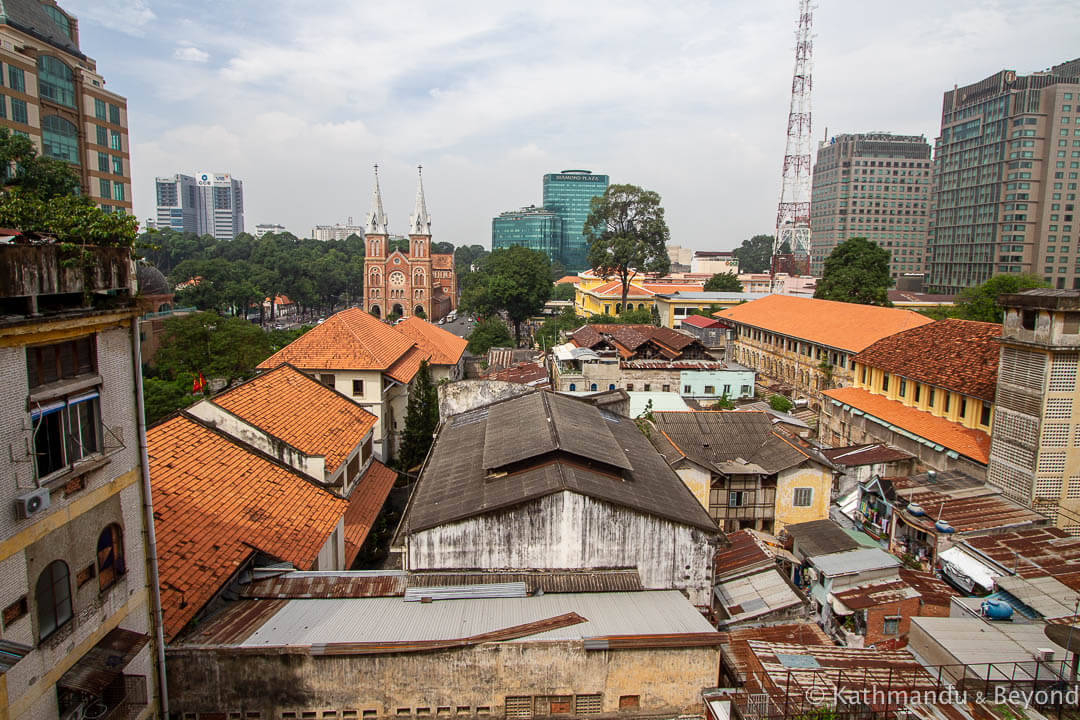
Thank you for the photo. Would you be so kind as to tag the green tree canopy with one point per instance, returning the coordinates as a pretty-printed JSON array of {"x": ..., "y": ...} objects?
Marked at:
[
  {"x": 981, "y": 302},
  {"x": 755, "y": 254},
  {"x": 421, "y": 420},
  {"x": 515, "y": 280},
  {"x": 162, "y": 396},
  {"x": 550, "y": 333},
  {"x": 488, "y": 333},
  {"x": 627, "y": 234},
  {"x": 856, "y": 271},
  {"x": 564, "y": 291},
  {"x": 779, "y": 403},
  {"x": 42, "y": 177},
  {"x": 723, "y": 282},
  {"x": 218, "y": 347}
]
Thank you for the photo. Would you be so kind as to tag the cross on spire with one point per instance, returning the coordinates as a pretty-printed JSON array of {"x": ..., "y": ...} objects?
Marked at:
[
  {"x": 376, "y": 223},
  {"x": 420, "y": 222}
]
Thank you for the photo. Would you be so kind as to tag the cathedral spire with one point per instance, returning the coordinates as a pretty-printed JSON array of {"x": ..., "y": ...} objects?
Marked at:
[
  {"x": 376, "y": 223},
  {"x": 420, "y": 222}
]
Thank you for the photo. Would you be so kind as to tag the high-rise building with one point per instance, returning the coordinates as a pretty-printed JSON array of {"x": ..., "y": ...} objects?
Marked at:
[
  {"x": 568, "y": 194},
  {"x": 872, "y": 185},
  {"x": 205, "y": 204},
  {"x": 269, "y": 228},
  {"x": 1006, "y": 168},
  {"x": 53, "y": 94},
  {"x": 531, "y": 227},
  {"x": 1034, "y": 454}
]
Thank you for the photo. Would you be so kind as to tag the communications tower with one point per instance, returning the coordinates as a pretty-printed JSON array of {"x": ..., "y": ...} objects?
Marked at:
[{"x": 793, "y": 213}]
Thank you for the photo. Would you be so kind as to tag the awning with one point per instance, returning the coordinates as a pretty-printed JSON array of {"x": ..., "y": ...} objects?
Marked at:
[
  {"x": 11, "y": 653},
  {"x": 104, "y": 662},
  {"x": 849, "y": 503},
  {"x": 838, "y": 607},
  {"x": 981, "y": 573}
]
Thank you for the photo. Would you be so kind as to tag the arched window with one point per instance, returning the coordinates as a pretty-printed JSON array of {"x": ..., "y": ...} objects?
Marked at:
[
  {"x": 53, "y": 597},
  {"x": 573, "y": 387},
  {"x": 56, "y": 82},
  {"x": 593, "y": 387},
  {"x": 110, "y": 556},
  {"x": 611, "y": 386},
  {"x": 60, "y": 139}
]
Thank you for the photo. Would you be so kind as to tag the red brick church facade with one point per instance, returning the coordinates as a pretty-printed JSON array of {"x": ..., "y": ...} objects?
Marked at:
[{"x": 404, "y": 284}]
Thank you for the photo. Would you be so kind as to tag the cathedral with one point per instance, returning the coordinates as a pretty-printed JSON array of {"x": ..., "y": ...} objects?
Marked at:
[{"x": 399, "y": 284}]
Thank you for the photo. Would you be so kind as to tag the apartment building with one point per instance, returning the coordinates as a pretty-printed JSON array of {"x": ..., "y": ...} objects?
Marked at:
[
  {"x": 53, "y": 94},
  {"x": 872, "y": 185},
  {"x": 78, "y": 578},
  {"x": 1006, "y": 165},
  {"x": 205, "y": 204}
]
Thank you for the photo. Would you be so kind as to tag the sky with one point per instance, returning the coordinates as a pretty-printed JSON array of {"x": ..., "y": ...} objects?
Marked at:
[{"x": 690, "y": 99}]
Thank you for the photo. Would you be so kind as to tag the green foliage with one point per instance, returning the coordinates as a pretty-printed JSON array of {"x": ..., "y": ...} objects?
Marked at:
[
  {"x": 755, "y": 254},
  {"x": 421, "y": 420},
  {"x": 514, "y": 280},
  {"x": 856, "y": 271},
  {"x": 626, "y": 317},
  {"x": 549, "y": 333},
  {"x": 980, "y": 302},
  {"x": 724, "y": 403},
  {"x": 827, "y": 371},
  {"x": 645, "y": 419},
  {"x": 654, "y": 315},
  {"x": 723, "y": 282},
  {"x": 627, "y": 234},
  {"x": 280, "y": 338},
  {"x": 564, "y": 291},
  {"x": 162, "y": 396},
  {"x": 779, "y": 403},
  {"x": 43, "y": 177},
  {"x": 218, "y": 347},
  {"x": 558, "y": 270},
  {"x": 488, "y": 333}
]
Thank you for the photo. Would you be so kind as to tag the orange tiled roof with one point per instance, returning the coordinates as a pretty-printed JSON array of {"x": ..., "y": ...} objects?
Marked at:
[
  {"x": 304, "y": 413},
  {"x": 960, "y": 355},
  {"x": 442, "y": 347},
  {"x": 406, "y": 365},
  {"x": 367, "y": 499},
  {"x": 216, "y": 502},
  {"x": 572, "y": 279},
  {"x": 349, "y": 340},
  {"x": 646, "y": 289},
  {"x": 847, "y": 326},
  {"x": 974, "y": 444}
]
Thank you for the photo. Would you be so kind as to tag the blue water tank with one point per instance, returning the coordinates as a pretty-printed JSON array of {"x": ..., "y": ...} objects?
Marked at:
[
  {"x": 997, "y": 610},
  {"x": 944, "y": 527}
]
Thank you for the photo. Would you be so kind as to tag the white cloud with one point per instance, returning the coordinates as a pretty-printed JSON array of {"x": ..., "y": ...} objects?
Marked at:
[
  {"x": 190, "y": 54},
  {"x": 126, "y": 16},
  {"x": 688, "y": 99}
]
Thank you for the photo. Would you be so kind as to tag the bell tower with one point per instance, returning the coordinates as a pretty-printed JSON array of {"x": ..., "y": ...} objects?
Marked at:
[
  {"x": 420, "y": 250},
  {"x": 375, "y": 237}
]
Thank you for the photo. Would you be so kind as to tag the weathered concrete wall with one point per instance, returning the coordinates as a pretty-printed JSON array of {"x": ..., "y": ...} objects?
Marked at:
[
  {"x": 816, "y": 477},
  {"x": 568, "y": 530},
  {"x": 459, "y": 397},
  {"x": 460, "y": 682},
  {"x": 698, "y": 480}
]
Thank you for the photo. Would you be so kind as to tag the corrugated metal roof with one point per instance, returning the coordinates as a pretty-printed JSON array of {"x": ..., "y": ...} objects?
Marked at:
[
  {"x": 327, "y": 585},
  {"x": 854, "y": 561},
  {"x": 310, "y": 622},
  {"x": 462, "y": 592},
  {"x": 549, "y": 581},
  {"x": 754, "y": 595}
]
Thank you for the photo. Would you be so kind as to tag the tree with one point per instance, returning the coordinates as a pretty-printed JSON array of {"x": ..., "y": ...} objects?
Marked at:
[
  {"x": 626, "y": 317},
  {"x": 981, "y": 302},
  {"x": 488, "y": 333},
  {"x": 723, "y": 282},
  {"x": 654, "y": 315},
  {"x": 856, "y": 271},
  {"x": 755, "y": 254},
  {"x": 421, "y": 420},
  {"x": 162, "y": 396},
  {"x": 564, "y": 291},
  {"x": 627, "y": 234},
  {"x": 558, "y": 270},
  {"x": 515, "y": 280},
  {"x": 220, "y": 347},
  {"x": 779, "y": 403},
  {"x": 550, "y": 332},
  {"x": 43, "y": 177}
]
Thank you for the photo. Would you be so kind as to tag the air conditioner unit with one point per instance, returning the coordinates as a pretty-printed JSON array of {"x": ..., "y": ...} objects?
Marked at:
[
  {"x": 1044, "y": 654},
  {"x": 32, "y": 503}
]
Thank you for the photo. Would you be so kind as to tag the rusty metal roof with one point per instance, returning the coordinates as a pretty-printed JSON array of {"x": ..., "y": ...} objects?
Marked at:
[
  {"x": 104, "y": 662},
  {"x": 1033, "y": 553},
  {"x": 548, "y": 581},
  {"x": 736, "y": 650},
  {"x": 328, "y": 585},
  {"x": 874, "y": 594},
  {"x": 744, "y": 552}
]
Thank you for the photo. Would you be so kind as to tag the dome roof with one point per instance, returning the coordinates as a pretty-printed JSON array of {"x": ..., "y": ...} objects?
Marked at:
[{"x": 151, "y": 281}]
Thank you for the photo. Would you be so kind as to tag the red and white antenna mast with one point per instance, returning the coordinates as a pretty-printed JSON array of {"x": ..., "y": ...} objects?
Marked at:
[{"x": 793, "y": 213}]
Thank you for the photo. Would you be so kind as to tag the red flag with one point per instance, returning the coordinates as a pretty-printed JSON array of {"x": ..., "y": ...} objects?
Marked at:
[{"x": 198, "y": 385}]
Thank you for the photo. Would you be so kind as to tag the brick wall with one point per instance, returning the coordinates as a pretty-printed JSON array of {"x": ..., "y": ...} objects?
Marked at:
[{"x": 875, "y": 620}]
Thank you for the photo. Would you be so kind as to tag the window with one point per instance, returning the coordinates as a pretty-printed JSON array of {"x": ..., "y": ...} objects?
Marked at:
[
  {"x": 930, "y": 398},
  {"x": 885, "y": 382},
  {"x": 65, "y": 431},
  {"x": 648, "y": 387},
  {"x": 102, "y": 162},
  {"x": 117, "y": 165},
  {"x": 948, "y": 397},
  {"x": 3, "y": 106},
  {"x": 56, "y": 82},
  {"x": 611, "y": 386},
  {"x": 104, "y": 188},
  {"x": 587, "y": 705},
  {"x": 710, "y": 389},
  {"x": 665, "y": 388},
  {"x": 114, "y": 114},
  {"x": 803, "y": 496},
  {"x": 984, "y": 414},
  {"x": 118, "y": 191},
  {"x": 357, "y": 387},
  {"x": 593, "y": 387},
  {"x": 327, "y": 379},
  {"x": 1027, "y": 319},
  {"x": 890, "y": 626},
  {"x": 963, "y": 406},
  {"x": 686, "y": 389},
  {"x": 918, "y": 389},
  {"x": 736, "y": 498},
  {"x": 102, "y": 135},
  {"x": 16, "y": 79},
  {"x": 902, "y": 390},
  {"x": 573, "y": 387},
  {"x": 114, "y": 140},
  {"x": 99, "y": 108},
  {"x": 60, "y": 139},
  {"x": 629, "y": 702},
  {"x": 53, "y": 597},
  {"x": 18, "y": 111},
  {"x": 110, "y": 556},
  {"x": 520, "y": 706},
  {"x": 59, "y": 18}
]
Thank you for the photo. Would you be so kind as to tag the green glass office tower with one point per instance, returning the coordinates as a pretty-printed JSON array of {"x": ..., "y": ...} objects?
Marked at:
[
  {"x": 567, "y": 194},
  {"x": 531, "y": 227}
]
